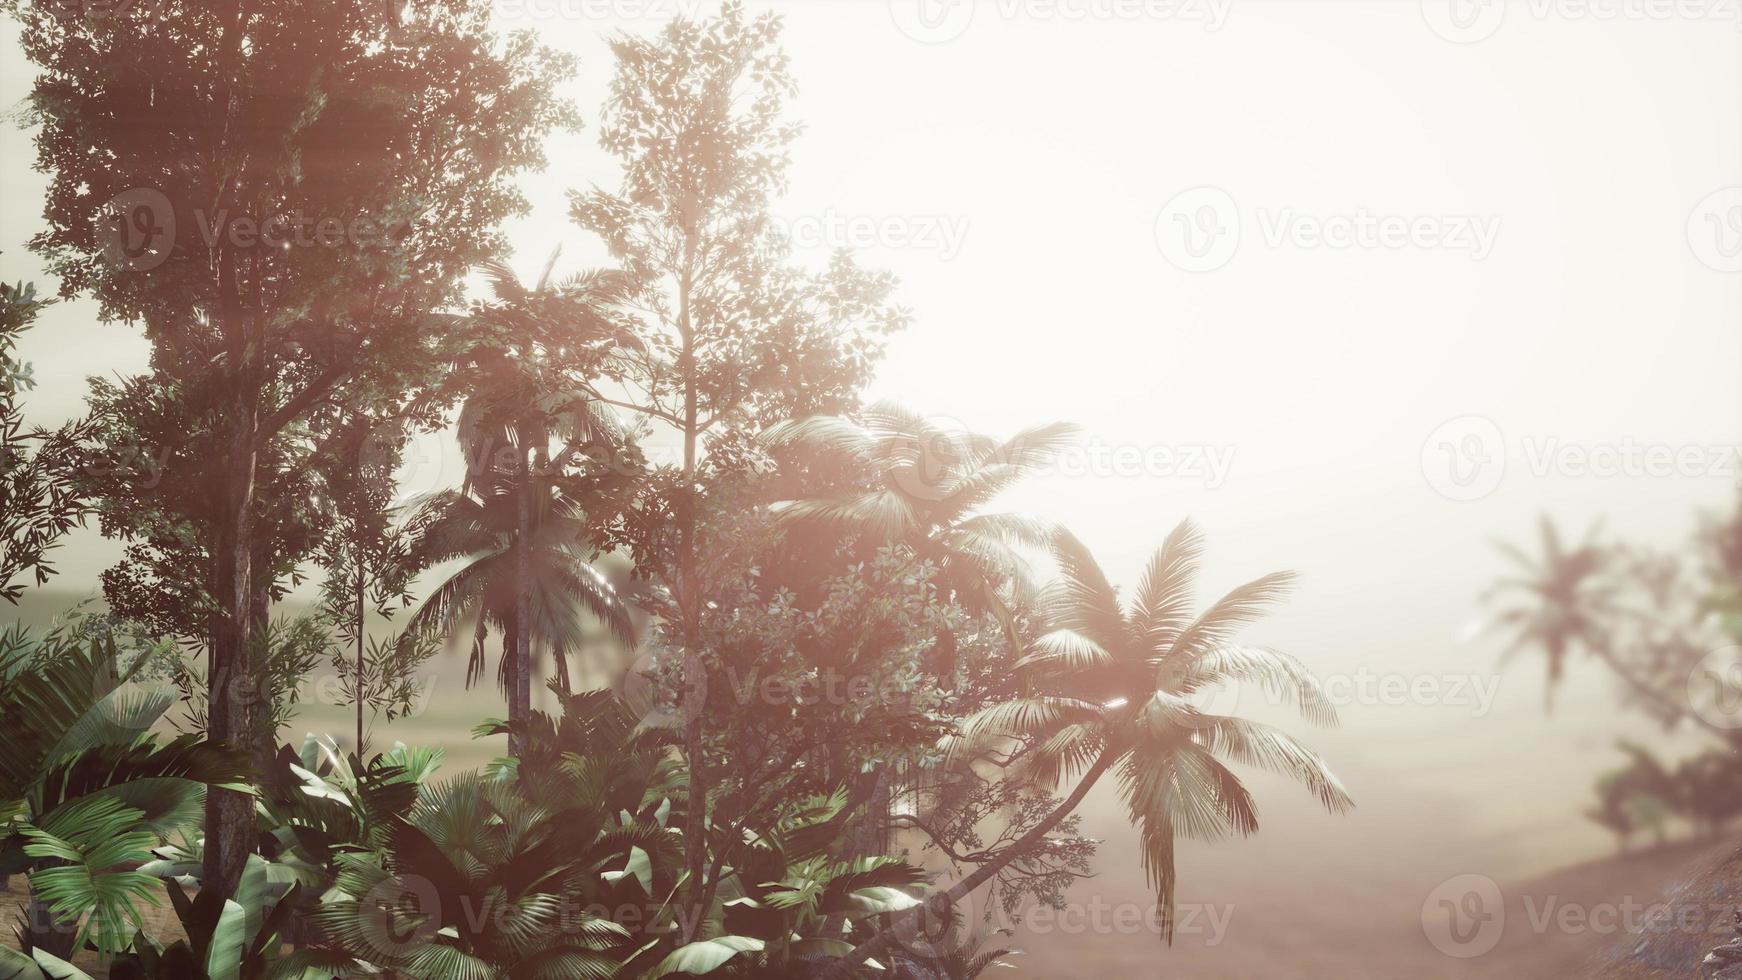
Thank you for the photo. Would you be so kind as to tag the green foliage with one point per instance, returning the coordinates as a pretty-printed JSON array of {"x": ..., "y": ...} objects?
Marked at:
[
  {"x": 500, "y": 875},
  {"x": 86, "y": 789},
  {"x": 286, "y": 651},
  {"x": 851, "y": 547},
  {"x": 238, "y": 938},
  {"x": 41, "y": 495},
  {"x": 1649, "y": 617},
  {"x": 37, "y": 964},
  {"x": 80, "y": 846},
  {"x": 1705, "y": 790},
  {"x": 927, "y": 489},
  {"x": 1110, "y": 686}
]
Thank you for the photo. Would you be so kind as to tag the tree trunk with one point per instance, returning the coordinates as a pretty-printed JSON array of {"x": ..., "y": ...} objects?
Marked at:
[
  {"x": 235, "y": 685},
  {"x": 520, "y": 678},
  {"x": 873, "y": 833},
  {"x": 359, "y": 692},
  {"x": 941, "y": 903},
  {"x": 690, "y": 609}
]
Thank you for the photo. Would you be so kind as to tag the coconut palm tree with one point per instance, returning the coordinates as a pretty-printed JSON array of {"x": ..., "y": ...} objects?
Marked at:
[
  {"x": 1110, "y": 688},
  {"x": 555, "y": 595},
  {"x": 1567, "y": 600},
  {"x": 518, "y": 520},
  {"x": 929, "y": 486}
]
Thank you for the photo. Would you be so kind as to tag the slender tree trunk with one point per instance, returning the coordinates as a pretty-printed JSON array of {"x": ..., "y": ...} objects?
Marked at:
[
  {"x": 359, "y": 692},
  {"x": 511, "y": 643},
  {"x": 235, "y": 684},
  {"x": 941, "y": 903},
  {"x": 563, "y": 681},
  {"x": 689, "y": 608},
  {"x": 873, "y": 833},
  {"x": 520, "y": 678}
]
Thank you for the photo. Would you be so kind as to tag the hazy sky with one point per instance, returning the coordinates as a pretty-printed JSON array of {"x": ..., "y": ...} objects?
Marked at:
[{"x": 1540, "y": 228}]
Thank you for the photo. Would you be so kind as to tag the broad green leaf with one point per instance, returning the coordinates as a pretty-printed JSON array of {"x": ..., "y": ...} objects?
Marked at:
[{"x": 706, "y": 956}]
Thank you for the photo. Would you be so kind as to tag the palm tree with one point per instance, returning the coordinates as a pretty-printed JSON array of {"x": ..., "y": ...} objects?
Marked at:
[
  {"x": 519, "y": 518},
  {"x": 516, "y": 569},
  {"x": 1567, "y": 600},
  {"x": 928, "y": 490},
  {"x": 1109, "y": 689}
]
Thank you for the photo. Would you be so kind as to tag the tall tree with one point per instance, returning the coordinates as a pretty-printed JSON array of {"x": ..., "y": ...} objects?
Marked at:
[
  {"x": 1581, "y": 599},
  {"x": 1108, "y": 689},
  {"x": 285, "y": 195},
  {"x": 736, "y": 337},
  {"x": 547, "y": 469}
]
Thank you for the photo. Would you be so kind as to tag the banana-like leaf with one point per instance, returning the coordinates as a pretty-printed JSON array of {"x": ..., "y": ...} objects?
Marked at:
[
  {"x": 14, "y": 965},
  {"x": 706, "y": 956}
]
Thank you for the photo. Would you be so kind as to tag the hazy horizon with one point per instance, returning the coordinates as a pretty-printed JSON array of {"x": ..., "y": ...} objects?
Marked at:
[{"x": 1309, "y": 407}]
